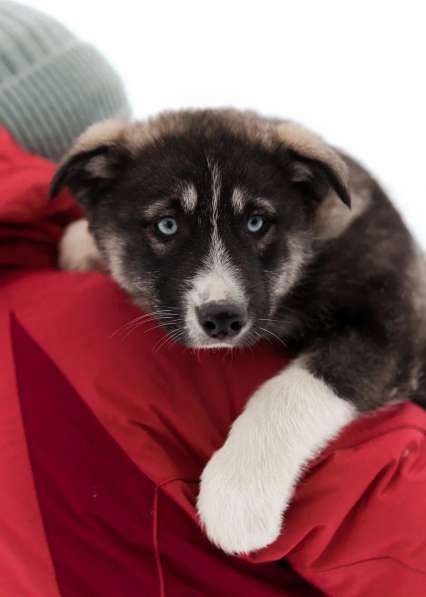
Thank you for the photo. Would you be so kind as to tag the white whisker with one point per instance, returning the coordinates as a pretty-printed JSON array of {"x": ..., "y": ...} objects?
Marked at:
[{"x": 274, "y": 336}]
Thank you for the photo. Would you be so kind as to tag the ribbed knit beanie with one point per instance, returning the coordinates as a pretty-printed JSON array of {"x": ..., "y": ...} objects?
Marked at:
[{"x": 52, "y": 85}]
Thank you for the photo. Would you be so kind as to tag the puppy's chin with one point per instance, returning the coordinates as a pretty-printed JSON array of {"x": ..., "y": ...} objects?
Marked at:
[
  {"x": 213, "y": 346},
  {"x": 246, "y": 340}
]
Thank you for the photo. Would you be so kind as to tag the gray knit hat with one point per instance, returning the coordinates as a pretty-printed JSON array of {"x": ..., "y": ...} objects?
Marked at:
[{"x": 52, "y": 85}]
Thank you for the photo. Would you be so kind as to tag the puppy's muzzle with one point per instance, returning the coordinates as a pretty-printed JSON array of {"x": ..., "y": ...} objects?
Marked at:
[{"x": 221, "y": 320}]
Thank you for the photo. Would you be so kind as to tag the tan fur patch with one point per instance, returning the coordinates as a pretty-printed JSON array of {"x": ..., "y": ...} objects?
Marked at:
[
  {"x": 106, "y": 132},
  {"x": 312, "y": 146},
  {"x": 286, "y": 278},
  {"x": 238, "y": 200},
  {"x": 333, "y": 217},
  {"x": 189, "y": 197}
]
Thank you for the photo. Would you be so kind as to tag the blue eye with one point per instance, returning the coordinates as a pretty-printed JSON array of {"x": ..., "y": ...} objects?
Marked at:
[
  {"x": 167, "y": 226},
  {"x": 255, "y": 223}
]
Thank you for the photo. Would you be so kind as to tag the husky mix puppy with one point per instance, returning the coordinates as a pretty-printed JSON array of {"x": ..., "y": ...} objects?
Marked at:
[{"x": 229, "y": 227}]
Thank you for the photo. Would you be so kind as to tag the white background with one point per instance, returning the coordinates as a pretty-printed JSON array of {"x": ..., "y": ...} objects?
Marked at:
[{"x": 352, "y": 70}]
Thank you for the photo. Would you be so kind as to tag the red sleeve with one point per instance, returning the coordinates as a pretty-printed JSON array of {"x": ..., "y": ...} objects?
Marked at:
[{"x": 30, "y": 224}]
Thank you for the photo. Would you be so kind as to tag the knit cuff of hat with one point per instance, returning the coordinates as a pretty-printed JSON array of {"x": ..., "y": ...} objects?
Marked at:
[{"x": 49, "y": 103}]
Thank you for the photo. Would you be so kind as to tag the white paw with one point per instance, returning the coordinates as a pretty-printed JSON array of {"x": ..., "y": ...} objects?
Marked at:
[
  {"x": 240, "y": 504},
  {"x": 247, "y": 485},
  {"x": 77, "y": 249}
]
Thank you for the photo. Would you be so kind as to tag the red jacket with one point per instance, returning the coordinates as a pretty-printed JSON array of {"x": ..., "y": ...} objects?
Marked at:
[{"x": 103, "y": 438}]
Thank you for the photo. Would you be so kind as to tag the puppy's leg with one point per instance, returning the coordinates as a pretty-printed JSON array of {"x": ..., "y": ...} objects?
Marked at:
[
  {"x": 77, "y": 249},
  {"x": 248, "y": 483}
]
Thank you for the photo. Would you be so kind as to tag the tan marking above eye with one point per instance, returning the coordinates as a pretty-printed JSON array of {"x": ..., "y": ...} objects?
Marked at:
[
  {"x": 188, "y": 197},
  {"x": 241, "y": 200},
  {"x": 238, "y": 200},
  {"x": 184, "y": 196}
]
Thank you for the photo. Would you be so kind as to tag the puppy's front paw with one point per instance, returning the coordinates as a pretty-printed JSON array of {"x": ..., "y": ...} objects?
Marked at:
[
  {"x": 240, "y": 504},
  {"x": 77, "y": 249}
]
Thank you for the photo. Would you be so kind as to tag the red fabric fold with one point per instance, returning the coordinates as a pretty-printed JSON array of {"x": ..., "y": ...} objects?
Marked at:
[{"x": 30, "y": 224}]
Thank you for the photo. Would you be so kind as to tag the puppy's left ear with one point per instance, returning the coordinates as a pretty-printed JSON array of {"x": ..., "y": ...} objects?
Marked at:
[
  {"x": 311, "y": 162},
  {"x": 94, "y": 162}
]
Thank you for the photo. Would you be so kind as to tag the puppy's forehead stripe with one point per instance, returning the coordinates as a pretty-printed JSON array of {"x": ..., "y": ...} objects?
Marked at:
[
  {"x": 189, "y": 197},
  {"x": 218, "y": 255},
  {"x": 216, "y": 188}
]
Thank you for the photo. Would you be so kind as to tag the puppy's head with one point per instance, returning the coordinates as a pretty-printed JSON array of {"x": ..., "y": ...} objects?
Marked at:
[{"x": 204, "y": 217}]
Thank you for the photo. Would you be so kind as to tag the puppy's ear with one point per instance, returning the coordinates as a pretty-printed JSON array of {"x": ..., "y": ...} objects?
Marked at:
[
  {"x": 312, "y": 163},
  {"x": 94, "y": 163}
]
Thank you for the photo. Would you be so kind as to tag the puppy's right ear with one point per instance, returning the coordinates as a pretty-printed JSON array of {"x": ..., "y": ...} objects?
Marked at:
[{"x": 94, "y": 163}]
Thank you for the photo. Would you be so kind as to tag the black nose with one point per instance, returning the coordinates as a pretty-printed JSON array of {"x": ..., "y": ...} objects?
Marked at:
[{"x": 221, "y": 320}]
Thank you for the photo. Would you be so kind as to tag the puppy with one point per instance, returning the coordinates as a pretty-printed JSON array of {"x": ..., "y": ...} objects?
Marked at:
[{"x": 230, "y": 227}]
